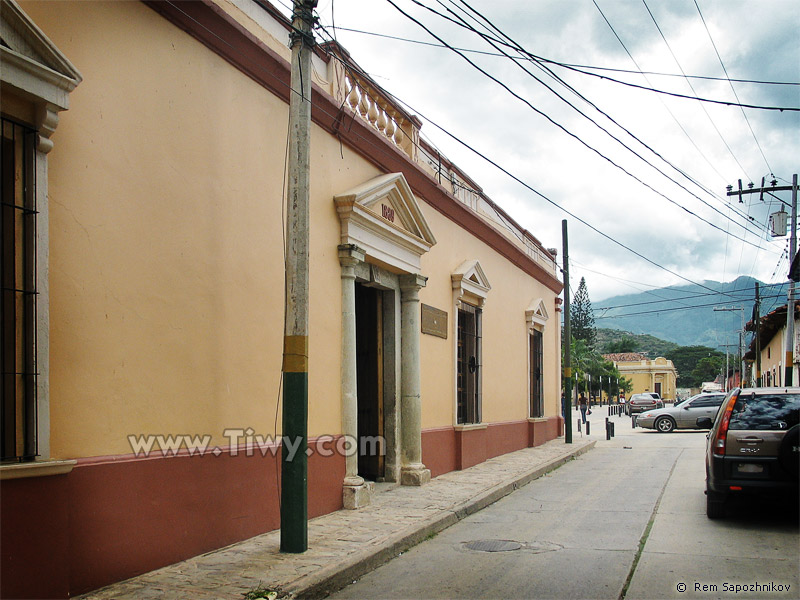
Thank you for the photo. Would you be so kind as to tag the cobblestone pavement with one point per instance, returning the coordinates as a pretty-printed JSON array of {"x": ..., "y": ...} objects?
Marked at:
[{"x": 346, "y": 544}]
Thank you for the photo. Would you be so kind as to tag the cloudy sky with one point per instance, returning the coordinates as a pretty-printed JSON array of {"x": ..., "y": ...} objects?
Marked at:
[{"x": 676, "y": 225}]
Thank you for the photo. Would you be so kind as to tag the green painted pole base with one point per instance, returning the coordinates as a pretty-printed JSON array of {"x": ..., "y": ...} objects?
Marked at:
[{"x": 294, "y": 464}]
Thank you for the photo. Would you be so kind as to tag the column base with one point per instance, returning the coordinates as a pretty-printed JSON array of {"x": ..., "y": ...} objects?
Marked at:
[
  {"x": 357, "y": 496},
  {"x": 415, "y": 475}
]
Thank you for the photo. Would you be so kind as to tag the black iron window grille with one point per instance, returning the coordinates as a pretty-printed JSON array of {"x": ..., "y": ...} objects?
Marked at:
[
  {"x": 18, "y": 415},
  {"x": 537, "y": 388},
  {"x": 469, "y": 364}
]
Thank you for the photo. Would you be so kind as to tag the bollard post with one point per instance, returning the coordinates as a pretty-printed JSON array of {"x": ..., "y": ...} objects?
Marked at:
[
  {"x": 611, "y": 427},
  {"x": 587, "y": 427},
  {"x": 633, "y": 420},
  {"x": 608, "y": 430},
  {"x": 579, "y": 425}
]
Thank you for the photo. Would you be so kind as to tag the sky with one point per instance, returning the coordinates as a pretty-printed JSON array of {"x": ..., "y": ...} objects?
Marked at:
[{"x": 635, "y": 222}]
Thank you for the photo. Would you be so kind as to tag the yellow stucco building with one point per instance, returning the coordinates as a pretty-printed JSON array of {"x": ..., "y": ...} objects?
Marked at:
[
  {"x": 143, "y": 291},
  {"x": 647, "y": 375}
]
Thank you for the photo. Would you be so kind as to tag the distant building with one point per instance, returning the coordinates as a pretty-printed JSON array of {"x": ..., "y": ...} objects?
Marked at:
[
  {"x": 772, "y": 334},
  {"x": 657, "y": 375}
]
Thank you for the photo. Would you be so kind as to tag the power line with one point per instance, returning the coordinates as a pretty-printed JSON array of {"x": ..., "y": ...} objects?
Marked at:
[
  {"x": 664, "y": 310},
  {"x": 517, "y": 47},
  {"x": 561, "y": 127},
  {"x": 355, "y": 69},
  {"x": 576, "y": 67},
  {"x": 677, "y": 62},
  {"x": 674, "y": 118},
  {"x": 733, "y": 89}
]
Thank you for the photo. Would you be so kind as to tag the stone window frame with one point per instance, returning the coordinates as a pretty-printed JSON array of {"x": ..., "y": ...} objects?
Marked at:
[
  {"x": 470, "y": 286},
  {"x": 536, "y": 317},
  {"x": 36, "y": 80}
]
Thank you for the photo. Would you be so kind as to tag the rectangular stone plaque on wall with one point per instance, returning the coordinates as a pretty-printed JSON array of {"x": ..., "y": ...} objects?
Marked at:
[{"x": 434, "y": 321}]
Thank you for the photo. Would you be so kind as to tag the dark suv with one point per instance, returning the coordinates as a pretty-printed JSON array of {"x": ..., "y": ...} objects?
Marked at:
[{"x": 752, "y": 446}]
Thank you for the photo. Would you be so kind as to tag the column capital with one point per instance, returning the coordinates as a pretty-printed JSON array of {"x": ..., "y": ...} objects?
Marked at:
[
  {"x": 350, "y": 255},
  {"x": 412, "y": 282}
]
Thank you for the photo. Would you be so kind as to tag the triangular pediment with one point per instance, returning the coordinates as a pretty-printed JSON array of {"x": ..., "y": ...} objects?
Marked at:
[
  {"x": 537, "y": 312},
  {"x": 383, "y": 217},
  {"x": 470, "y": 282},
  {"x": 31, "y": 62},
  {"x": 390, "y": 198}
]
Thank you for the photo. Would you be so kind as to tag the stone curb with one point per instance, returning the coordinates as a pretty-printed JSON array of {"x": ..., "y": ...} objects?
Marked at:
[{"x": 334, "y": 577}]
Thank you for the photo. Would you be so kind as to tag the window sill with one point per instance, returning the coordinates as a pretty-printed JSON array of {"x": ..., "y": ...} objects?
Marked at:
[
  {"x": 42, "y": 468},
  {"x": 538, "y": 419},
  {"x": 470, "y": 426}
]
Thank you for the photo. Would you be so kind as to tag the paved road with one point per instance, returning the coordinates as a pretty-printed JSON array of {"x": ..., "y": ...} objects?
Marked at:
[{"x": 627, "y": 520}]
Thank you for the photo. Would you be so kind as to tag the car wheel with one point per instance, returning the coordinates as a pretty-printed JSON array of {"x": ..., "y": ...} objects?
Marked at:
[
  {"x": 715, "y": 505},
  {"x": 665, "y": 425}
]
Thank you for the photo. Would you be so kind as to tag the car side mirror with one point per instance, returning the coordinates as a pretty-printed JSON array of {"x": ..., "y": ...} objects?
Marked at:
[{"x": 705, "y": 423}]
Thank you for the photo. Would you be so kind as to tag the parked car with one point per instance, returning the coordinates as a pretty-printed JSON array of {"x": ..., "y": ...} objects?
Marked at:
[
  {"x": 641, "y": 402},
  {"x": 753, "y": 446},
  {"x": 682, "y": 416}
]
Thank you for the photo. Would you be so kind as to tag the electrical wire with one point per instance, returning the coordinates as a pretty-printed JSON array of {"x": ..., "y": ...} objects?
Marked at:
[
  {"x": 381, "y": 149},
  {"x": 524, "y": 184},
  {"x": 576, "y": 67},
  {"x": 680, "y": 68},
  {"x": 733, "y": 89},
  {"x": 565, "y": 130},
  {"x": 664, "y": 310},
  {"x": 517, "y": 47}
]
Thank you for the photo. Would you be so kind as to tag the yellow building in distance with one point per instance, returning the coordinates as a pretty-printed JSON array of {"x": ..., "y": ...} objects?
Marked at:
[{"x": 657, "y": 375}]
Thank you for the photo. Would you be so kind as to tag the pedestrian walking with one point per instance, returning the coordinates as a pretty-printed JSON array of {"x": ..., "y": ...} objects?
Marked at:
[{"x": 583, "y": 405}]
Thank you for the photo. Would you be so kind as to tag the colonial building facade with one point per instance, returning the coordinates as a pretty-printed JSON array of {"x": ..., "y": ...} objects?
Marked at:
[
  {"x": 657, "y": 375},
  {"x": 143, "y": 290}
]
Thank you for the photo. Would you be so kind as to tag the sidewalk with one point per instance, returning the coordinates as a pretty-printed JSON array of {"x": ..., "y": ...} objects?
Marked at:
[{"x": 346, "y": 544}]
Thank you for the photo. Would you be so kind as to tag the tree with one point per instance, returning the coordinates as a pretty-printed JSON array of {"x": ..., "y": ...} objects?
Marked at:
[
  {"x": 707, "y": 369},
  {"x": 582, "y": 317},
  {"x": 626, "y": 344},
  {"x": 687, "y": 359},
  {"x": 588, "y": 366}
]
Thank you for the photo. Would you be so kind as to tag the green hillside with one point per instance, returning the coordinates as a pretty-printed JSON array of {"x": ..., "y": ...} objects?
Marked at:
[{"x": 685, "y": 315}]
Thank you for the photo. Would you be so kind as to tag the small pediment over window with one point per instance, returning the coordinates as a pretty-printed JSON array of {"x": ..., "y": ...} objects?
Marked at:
[
  {"x": 536, "y": 313},
  {"x": 30, "y": 59},
  {"x": 470, "y": 282}
]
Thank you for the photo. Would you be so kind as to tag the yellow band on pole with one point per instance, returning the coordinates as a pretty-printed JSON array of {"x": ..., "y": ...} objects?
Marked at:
[
  {"x": 567, "y": 371},
  {"x": 295, "y": 354}
]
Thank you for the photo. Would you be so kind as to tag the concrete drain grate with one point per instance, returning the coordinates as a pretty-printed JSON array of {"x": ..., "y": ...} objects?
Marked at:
[{"x": 493, "y": 545}]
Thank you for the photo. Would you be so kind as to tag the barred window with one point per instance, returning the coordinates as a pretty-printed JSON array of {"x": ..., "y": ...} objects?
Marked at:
[
  {"x": 469, "y": 364},
  {"x": 18, "y": 295}
]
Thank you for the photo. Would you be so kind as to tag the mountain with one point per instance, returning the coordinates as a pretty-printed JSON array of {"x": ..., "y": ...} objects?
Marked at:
[{"x": 685, "y": 315}]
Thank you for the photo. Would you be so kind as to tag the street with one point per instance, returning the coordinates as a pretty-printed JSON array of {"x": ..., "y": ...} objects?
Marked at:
[{"x": 626, "y": 520}]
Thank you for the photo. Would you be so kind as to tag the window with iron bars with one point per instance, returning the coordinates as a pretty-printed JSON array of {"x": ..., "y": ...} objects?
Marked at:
[
  {"x": 18, "y": 424},
  {"x": 469, "y": 364}
]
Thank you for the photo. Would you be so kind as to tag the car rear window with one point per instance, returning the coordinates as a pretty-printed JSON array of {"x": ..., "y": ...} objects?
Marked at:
[{"x": 765, "y": 411}]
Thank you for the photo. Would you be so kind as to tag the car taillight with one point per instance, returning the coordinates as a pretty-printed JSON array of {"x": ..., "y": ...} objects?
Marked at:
[{"x": 721, "y": 437}]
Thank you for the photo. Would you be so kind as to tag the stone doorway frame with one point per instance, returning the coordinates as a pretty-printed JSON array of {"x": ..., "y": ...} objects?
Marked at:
[{"x": 383, "y": 237}]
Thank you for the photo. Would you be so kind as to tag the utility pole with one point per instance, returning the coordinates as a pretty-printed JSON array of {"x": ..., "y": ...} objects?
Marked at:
[
  {"x": 567, "y": 342},
  {"x": 790, "y": 301},
  {"x": 741, "y": 338},
  {"x": 294, "y": 473},
  {"x": 757, "y": 321}
]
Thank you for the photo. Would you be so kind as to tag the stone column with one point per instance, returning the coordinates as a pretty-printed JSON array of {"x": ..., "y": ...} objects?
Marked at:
[
  {"x": 355, "y": 493},
  {"x": 412, "y": 471}
]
